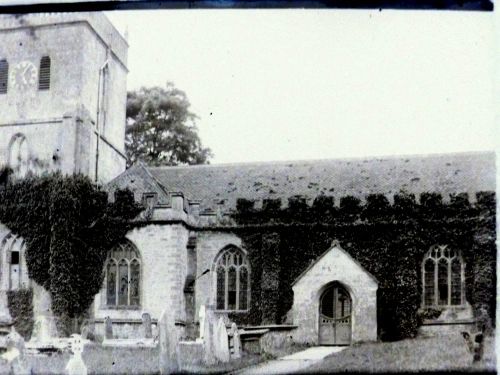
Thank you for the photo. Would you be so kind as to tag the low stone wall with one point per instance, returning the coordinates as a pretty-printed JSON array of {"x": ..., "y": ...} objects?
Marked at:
[
  {"x": 123, "y": 329},
  {"x": 446, "y": 329}
]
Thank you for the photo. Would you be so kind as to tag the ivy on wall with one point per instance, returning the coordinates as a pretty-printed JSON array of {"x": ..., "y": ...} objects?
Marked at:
[
  {"x": 68, "y": 226},
  {"x": 20, "y": 303},
  {"x": 389, "y": 240}
]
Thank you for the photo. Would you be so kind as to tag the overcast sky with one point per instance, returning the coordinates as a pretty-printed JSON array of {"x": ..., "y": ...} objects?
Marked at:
[{"x": 313, "y": 84}]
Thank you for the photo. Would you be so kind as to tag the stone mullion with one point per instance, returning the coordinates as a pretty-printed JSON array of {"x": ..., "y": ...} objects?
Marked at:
[
  {"x": 449, "y": 281},
  {"x": 237, "y": 288},
  {"x": 128, "y": 282},
  {"x": 226, "y": 282},
  {"x": 117, "y": 283},
  {"x": 436, "y": 288}
]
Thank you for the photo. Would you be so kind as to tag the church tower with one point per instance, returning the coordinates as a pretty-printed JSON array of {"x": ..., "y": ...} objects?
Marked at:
[{"x": 62, "y": 94}]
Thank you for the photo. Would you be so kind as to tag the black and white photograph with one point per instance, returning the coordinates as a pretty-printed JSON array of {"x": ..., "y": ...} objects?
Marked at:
[{"x": 209, "y": 187}]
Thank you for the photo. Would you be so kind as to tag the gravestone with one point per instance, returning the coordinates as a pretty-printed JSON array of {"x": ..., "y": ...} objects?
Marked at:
[
  {"x": 108, "y": 328},
  {"x": 168, "y": 343},
  {"x": 208, "y": 338},
  {"x": 146, "y": 326},
  {"x": 15, "y": 354},
  {"x": 221, "y": 342},
  {"x": 88, "y": 330},
  {"x": 44, "y": 328},
  {"x": 76, "y": 365},
  {"x": 236, "y": 341}
]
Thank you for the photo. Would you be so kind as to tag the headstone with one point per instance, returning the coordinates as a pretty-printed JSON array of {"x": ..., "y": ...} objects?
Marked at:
[
  {"x": 236, "y": 341},
  {"x": 168, "y": 343},
  {"x": 208, "y": 338},
  {"x": 221, "y": 342},
  {"x": 201, "y": 316},
  {"x": 75, "y": 365},
  {"x": 108, "y": 328},
  {"x": 15, "y": 354},
  {"x": 44, "y": 329},
  {"x": 87, "y": 329},
  {"x": 146, "y": 326}
]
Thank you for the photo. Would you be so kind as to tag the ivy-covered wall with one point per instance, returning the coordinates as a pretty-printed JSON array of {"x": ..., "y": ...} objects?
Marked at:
[
  {"x": 389, "y": 240},
  {"x": 20, "y": 303}
]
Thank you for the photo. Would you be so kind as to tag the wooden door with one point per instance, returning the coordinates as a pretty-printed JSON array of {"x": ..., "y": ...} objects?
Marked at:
[{"x": 335, "y": 316}]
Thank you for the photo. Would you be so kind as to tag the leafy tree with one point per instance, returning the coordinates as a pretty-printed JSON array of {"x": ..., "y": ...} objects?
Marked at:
[
  {"x": 68, "y": 226},
  {"x": 160, "y": 128}
]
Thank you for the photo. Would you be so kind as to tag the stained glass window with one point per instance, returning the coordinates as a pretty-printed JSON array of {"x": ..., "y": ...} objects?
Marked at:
[
  {"x": 429, "y": 285},
  {"x": 443, "y": 277},
  {"x": 123, "y": 276},
  {"x": 111, "y": 282},
  {"x": 232, "y": 280}
]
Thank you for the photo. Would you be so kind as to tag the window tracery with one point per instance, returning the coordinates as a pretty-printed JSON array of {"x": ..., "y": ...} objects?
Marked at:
[
  {"x": 123, "y": 276},
  {"x": 443, "y": 277},
  {"x": 232, "y": 280},
  {"x": 19, "y": 159}
]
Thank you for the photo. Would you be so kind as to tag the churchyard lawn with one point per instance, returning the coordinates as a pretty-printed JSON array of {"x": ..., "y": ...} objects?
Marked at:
[{"x": 421, "y": 354}]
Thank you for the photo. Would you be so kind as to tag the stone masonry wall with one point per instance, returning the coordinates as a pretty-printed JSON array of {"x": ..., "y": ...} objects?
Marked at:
[
  {"x": 163, "y": 271},
  {"x": 209, "y": 244},
  {"x": 335, "y": 265}
]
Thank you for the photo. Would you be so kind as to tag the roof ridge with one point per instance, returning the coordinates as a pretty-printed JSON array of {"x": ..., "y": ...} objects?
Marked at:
[{"x": 311, "y": 161}]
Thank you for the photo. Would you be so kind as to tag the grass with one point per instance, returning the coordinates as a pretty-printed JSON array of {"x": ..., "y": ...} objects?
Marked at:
[
  {"x": 448, "y": 353},
  {"x": 99, "y": 360},
  {"x": 108, "y": 360},
  {"x": 422, "y": 354},
  {"x": 246, "y": 360}
]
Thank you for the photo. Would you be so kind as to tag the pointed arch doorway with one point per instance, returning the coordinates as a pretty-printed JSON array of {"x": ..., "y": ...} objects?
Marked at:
[{"x": 335, "y": 321}]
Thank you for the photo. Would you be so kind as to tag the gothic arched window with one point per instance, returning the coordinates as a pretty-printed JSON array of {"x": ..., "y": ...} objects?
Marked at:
[
  {"x": 12, "y": 250},
  {"x": 19, "y": 155},
  {"x": 443, "y": 277},
  {"x": 44, "y": 75},
  {"x": 123, "y": 275},
  {"x": 232, "y": 280}
]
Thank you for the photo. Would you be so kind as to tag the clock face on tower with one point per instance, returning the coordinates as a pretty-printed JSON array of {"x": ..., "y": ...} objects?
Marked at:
[{"x": 23, "y": 75}]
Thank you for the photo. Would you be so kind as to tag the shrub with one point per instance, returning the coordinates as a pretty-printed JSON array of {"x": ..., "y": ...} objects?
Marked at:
[{"x": 68, "y": 227}]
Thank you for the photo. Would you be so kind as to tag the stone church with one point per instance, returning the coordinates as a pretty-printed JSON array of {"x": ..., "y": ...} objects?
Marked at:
[{"x": 62, "y": 105}]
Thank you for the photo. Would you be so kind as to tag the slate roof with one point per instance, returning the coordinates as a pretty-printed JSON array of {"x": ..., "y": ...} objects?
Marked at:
[{"x": 443, "y": 173}]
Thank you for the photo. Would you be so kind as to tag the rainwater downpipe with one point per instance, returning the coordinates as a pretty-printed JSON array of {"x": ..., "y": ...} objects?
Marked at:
[{"x": 99, "y": 100}]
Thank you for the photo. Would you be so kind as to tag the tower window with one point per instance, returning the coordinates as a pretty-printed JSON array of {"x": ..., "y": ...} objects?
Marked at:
[
  {"x": 44, "y": 77},
  {"x": 19, "y": 156},
  {"x": 4, "y": 75}
]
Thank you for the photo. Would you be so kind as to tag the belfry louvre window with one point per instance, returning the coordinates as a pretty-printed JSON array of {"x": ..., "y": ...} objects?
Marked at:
[
  {"x": 233, "y": 280},
  {"x": 123, "y": 276},
  {"x": 44, "y": 75},
  {"x": 443, "y": 277},
  {"x": 4, "y": 76}
]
